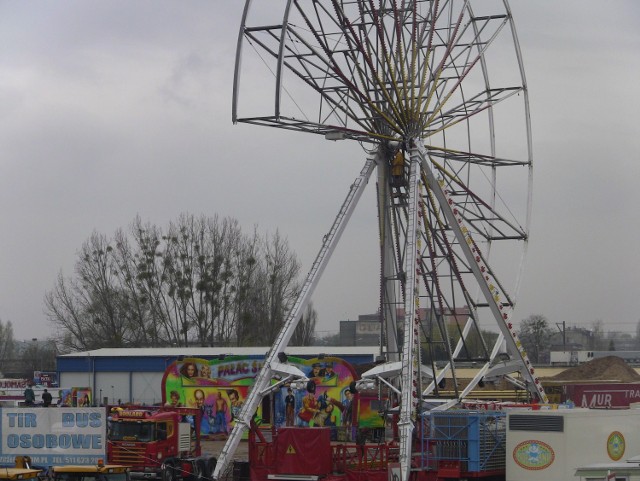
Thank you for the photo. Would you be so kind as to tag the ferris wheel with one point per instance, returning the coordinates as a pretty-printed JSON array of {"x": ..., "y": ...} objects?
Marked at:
[{"x": 435, "y": 92}]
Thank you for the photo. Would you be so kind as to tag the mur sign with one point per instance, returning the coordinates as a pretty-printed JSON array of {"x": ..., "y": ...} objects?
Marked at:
[
  {"x": 53, "y": 436},
  {"x": 602, "y": 395}
]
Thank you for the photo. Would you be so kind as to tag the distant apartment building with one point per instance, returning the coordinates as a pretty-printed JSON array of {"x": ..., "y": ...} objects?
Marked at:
[
  {"x": 580, "y": 338},
  {"x": 367, "y": 329}
]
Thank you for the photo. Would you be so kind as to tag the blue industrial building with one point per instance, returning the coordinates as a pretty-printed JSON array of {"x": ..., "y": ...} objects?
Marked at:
[{"x": 135, "y": 375}]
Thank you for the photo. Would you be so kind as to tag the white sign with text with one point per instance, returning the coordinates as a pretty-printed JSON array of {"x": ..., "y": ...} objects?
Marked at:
[{"x": 53, "y": 436}]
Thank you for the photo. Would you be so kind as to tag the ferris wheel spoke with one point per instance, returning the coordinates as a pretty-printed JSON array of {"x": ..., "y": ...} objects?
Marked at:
[
  {"x": 317, "y": 67},
  {"x": 445, "y": 261},
  {"x": 485, "y": 219},
  {"x": 463, "y": 49},
  {"x": 370, "y": 76},
  {"x": 434, "y": 85},
  {"x": 440, "y": 262},
  {"x": 470, "y": 107},
  {"x": 310, "y": 70},
  {"x": 480, "y": 271},
  {"x": 329, "y": 79},
  {"x": 471, "y": 158},
  {"x": 448, "y": 267},
  {"x": 477, "y": 210},
  {"x": 375, "y": 82},
  {"x": 461, "y": 71}
]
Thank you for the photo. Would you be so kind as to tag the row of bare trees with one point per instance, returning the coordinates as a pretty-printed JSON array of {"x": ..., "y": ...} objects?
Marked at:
[
  {"x": 19, "y": 359},
  {"x": 201, "y": 281}
]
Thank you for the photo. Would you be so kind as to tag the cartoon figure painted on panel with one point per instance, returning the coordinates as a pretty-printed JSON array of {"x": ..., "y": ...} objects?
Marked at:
[
  {"x": 189, "y": 370},
  {"x": 289, "y": 407},
  {"x": 309, "y": 405},
  {"x": 236, "y": 403},
  {"x": 222, "y": 409}
]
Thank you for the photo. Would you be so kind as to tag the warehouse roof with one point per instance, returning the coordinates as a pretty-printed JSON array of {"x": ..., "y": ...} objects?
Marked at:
[{"x": 207, "y": 352}]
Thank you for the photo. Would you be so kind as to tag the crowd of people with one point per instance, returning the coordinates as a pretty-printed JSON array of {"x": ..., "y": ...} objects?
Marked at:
[
  {"x": 80, "y": 398},
  {"x": 30, "y": 397}
]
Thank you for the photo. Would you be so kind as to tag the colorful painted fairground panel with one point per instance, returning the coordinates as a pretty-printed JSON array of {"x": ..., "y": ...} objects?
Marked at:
[
  {"x": 75, "y": 397},
  {"x": 219, "y": 387},
  {"x": 369, "y": 409}
]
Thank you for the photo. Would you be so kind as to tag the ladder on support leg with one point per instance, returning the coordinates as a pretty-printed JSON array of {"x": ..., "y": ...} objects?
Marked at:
[
  {"x": 410, "y": 359},
  {"x": 272, "y": 362}
]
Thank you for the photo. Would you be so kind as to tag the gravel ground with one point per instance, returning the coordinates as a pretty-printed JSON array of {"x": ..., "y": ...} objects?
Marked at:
[{"x": 213, "y": 447}]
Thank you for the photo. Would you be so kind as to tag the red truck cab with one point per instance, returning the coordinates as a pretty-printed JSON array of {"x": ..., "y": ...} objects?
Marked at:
[{"x": 158, "y": 441}]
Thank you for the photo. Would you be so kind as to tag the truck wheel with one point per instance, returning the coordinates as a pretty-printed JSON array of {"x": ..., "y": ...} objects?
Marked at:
[
  {"x": 169, "y": 471},
  {"x": 211, "y": 466},
  {"x": 200, "y": 472}
]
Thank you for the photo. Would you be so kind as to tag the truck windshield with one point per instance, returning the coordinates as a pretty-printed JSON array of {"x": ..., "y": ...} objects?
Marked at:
[{"x": 136, "y": 431}]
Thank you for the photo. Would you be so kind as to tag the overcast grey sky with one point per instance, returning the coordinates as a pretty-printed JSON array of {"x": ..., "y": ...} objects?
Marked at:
[{"x": 112, "y": 109}]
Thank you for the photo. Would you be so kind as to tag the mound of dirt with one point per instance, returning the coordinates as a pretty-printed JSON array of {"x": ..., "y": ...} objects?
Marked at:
[{"x": 610, "y": 368}]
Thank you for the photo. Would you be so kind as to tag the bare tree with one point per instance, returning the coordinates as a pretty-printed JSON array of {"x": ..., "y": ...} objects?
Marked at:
[
  {"x": 90, "y": 307},
  {"x": 282, "y": 268},
  {"x": 36, "y": 355},
  {"x": 305, "y": 330},
  {"x": 598, "y": 341},
  {"x": 7, "y": 344},
  {"x": 105, "y": 313},
  {"x": 202, "y": 282},
  {"x": 151, "y": 265},
  {"x": 135, "y": 281},
  {"x": 534, "y": 335},
  {"x": 66, "y": 314},
  {"x": 225, "y": 236},
  {"x": 250, "y": 300}
]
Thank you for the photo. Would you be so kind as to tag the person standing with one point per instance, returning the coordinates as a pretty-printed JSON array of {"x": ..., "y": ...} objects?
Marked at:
[
  {"x": 29, "y": 396},
  {"x": 46, "y": 398},
  {"x": 289, "y": 407}
]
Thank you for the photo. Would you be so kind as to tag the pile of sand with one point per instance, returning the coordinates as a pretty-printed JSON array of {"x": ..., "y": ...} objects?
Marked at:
[{"x": 610, "y": 368}]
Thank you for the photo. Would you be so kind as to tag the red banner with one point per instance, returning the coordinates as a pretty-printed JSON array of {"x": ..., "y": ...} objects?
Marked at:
[
  {"x": 304, "y": 451},
  {"x": 603, "y": 395}
]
